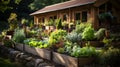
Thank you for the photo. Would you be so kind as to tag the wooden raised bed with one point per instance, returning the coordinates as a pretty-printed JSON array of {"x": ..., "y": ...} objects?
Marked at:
[
  {"x": 43, "y": 53},
  {"x": 69, "y": 61},
  {"x": 93, "y": 43},
  {"x": 19, "y": 46}
]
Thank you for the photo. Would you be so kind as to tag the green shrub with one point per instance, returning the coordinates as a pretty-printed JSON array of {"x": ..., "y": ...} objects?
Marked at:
[
  {"x": 56, "y": 36},
  {"x": 80, "y": 28},
  {"x": 51, "y": 22},
  {"x": 100, "y": 33},
  {"x": 88, "y": 33},
  {"x": 19, "y": 35},
  {"x": 58, "y": 24}
]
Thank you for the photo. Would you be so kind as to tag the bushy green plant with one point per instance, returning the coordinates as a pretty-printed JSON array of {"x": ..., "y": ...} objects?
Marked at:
[
  {"x": 80, "y": 28},
  {"x": 88, "y": 33},
  {"x": 100, "y": 33},
  {"x": 107, "y": 41},
  {"x": 56, "y": 36},
  {"x": 31, "y": 33},
  {"x": 86, "y": 51},
  {"x": 74, "y": 37},
  {"x": 19, "y": 35},
  {"x": 13, "y": 21},
  {"x": 26, "y": 41},
  {"x": 61, "y": 50},
  {"x": 76, "y": 51},
  {"x": 68, "y": 47},
  {"x": 51, "y": 22},
  {"x": 58, "y": 24}
]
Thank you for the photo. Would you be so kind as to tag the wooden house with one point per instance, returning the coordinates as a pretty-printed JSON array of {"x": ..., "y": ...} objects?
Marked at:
[{"x": 82, "y": 11}]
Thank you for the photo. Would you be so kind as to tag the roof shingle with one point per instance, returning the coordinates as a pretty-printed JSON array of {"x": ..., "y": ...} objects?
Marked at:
[{"x": 64, "y": 5}]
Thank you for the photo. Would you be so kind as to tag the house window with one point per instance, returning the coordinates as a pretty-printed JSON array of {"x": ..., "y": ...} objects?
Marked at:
[
  {"x": 39, "y": 20},
  {"x": 55, "y": 17},
  {"x": 77, "y": 16},
  {"x": 51, "y": 17},
  {"x": 65, "y": 17},
  {"x": 43, "y": 20},
  {"x": 105, "y": 8},
  {"x": 84, "y": 16}
]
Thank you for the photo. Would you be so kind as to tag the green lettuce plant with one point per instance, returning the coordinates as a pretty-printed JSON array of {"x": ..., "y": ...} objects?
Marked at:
[
  {"x": 86, "y": 51},
  {"x": 36, "y": 43}
]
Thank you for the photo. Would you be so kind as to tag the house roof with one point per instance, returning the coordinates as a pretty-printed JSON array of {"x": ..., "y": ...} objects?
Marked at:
[{"x": 64, "y": 5}]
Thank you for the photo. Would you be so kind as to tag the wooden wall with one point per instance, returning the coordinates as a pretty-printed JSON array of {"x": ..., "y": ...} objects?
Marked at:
[{"x": 70, "y": 13}]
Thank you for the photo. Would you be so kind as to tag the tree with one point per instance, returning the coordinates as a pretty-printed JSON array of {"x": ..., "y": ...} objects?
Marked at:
[
  {"x": 4, "y": 4},
  {"x": 38, "y": 4}
]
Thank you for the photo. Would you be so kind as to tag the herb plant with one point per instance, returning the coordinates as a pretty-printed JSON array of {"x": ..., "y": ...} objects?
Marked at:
[
  {"x": 19, "y": 35},
  {"x": 74, "y": 37}
]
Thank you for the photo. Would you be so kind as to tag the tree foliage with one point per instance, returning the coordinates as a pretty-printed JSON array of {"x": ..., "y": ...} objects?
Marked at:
[
  {"x": 38, "y": 4},
  {"x": 22, "y": 8}
]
